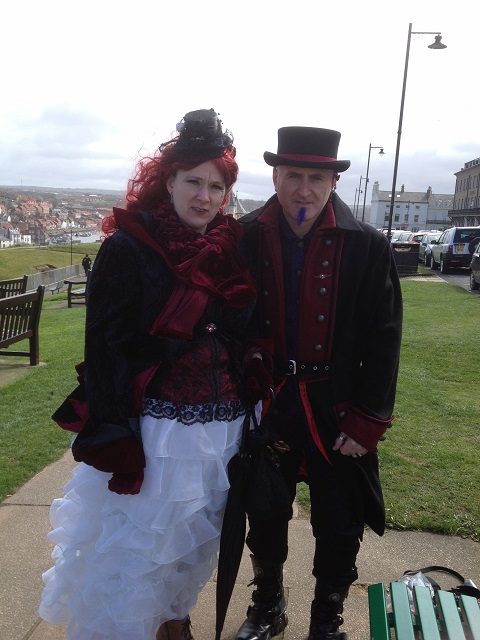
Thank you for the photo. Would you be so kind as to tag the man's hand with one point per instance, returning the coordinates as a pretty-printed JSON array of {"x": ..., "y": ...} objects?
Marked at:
[{"x": 349, "y": 447}]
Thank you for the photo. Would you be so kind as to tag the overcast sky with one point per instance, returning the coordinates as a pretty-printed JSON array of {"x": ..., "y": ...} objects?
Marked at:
[{"x": 89, "y": 86}]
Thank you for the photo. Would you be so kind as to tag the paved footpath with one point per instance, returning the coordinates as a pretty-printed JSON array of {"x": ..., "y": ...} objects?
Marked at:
[{"x": 25, "y": 554}]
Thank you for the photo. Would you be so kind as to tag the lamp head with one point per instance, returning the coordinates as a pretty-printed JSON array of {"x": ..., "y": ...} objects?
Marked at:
[
  {"x": 437, "y": 44},
  {"x": 381, "y": 152}
]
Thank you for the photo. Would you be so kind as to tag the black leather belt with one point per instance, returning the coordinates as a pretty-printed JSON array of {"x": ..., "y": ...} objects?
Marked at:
[{"x": 301, "y": 367}]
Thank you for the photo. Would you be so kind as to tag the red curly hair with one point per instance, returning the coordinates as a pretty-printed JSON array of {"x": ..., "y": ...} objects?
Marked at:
[{"x": 148, "y": 187}]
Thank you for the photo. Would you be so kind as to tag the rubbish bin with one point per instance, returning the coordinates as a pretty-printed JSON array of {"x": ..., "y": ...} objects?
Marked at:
[{"x": 406, "y": 257}]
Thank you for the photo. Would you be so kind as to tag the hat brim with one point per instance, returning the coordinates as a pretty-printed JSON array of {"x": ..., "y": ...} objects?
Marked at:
[{"x": 275, "y": 160}]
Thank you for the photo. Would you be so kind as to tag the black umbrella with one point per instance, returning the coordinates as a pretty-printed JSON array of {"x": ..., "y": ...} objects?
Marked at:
[{"x": 258, "y": 489}]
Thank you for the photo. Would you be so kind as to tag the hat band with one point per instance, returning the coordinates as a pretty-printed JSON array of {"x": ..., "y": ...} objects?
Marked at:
[{"x": 303, "y": 158}]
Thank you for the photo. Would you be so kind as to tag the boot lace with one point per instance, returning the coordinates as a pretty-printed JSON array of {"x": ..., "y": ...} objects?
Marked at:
[{"x": 187, "y": 629}]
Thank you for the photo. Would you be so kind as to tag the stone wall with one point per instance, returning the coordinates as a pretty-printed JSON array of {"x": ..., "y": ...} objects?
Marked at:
[{"x": 51, "y": 276}]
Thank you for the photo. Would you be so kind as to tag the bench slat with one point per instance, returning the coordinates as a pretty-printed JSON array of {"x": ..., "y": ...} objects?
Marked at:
[
  {"x": 450, "y": 616},
  {"x": 471, "y": 611},
  {"x": 441, "y": 622},
  {"x": 401, "y": 609},
  {"x": 77, "y": 296},
  {"x": 19, "y": 320},
  {"x": 13, "y": 287},
  {"x": 377, "y": 604},
  {"x": 426, "y": 617}
]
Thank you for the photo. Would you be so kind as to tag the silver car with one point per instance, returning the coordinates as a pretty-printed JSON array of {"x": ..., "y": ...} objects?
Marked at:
[
  {"x": 475, "y": 269},
  {"x": 425, "y": 247},
  {"x": 454, "y": 248}
]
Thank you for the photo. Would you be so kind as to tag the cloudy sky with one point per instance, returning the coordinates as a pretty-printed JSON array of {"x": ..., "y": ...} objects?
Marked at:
[{"x": 88, "y": 87}]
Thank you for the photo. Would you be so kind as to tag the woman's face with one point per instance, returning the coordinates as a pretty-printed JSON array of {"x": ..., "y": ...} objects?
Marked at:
[{"x": 198, "y": 194}]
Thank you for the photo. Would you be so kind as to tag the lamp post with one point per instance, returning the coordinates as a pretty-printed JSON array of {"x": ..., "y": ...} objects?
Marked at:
[
  {"x": 435, "y": 45},
  {"x": 356, "y": 203},
  {"x": 380, "y": 153}
]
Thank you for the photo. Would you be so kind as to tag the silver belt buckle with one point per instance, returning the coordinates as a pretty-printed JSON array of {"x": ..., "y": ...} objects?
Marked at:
[{"x": 292, "y": 368}]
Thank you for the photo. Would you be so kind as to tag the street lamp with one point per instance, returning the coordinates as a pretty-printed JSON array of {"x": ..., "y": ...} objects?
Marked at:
[
  {"x": 435, "y": 45},
  {"x": 356, "y": 202},
  {"x": 380, "y": 153}
]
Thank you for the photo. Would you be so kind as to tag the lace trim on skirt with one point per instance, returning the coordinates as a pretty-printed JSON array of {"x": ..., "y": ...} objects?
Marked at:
[{"x": 194, "y": 414}]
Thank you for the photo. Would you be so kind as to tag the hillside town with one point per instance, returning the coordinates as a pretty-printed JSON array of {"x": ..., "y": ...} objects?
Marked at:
[
  {"x": 39, "y": 216},
  {"x": 45, "y": 216}
]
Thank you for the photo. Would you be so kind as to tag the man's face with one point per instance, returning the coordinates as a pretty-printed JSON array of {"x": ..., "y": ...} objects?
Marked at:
[{"x": 299, "y": 187}]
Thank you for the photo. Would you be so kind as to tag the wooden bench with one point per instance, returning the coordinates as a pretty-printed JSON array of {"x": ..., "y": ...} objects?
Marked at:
[
  {"x": 19, "y": 320},
  {"x": 432, "y": 619},
  {"x": 55, "y": 288},
  {"x": 13, "y": 287},
  {"x": 77, "y": 296}
]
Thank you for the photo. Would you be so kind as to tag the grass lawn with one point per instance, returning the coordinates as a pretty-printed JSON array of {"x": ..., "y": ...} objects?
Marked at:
[
  {"x": 429, "y": 461},
  {"x": 29, "y": 439},
  {"x": 19, "y": 261}
]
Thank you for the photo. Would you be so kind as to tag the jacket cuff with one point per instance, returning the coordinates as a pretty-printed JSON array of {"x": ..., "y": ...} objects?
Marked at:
[
  {"x": 361, "y": 427},
  {"x": 125, "y": 455}
]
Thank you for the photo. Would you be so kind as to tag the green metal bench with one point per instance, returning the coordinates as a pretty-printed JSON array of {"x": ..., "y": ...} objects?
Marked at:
[
  {"x": 432, "y": 619},
  {"x": 56, "y": 287}
]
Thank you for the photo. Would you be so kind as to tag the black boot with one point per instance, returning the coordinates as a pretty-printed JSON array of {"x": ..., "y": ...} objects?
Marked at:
[
  {"x": 267, "y": 617},
  {"x": 326, "y": 617}
]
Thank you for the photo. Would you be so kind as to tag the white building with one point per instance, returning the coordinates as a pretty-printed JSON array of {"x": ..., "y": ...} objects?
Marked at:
[
  {"x": 10, "y": 237},
  {"x": 412, "y": 210}
]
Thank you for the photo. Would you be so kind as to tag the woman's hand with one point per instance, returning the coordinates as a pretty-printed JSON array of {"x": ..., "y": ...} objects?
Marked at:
[
  {"x": 126, "y": 483},
  {"x": 258, "y": 379}
]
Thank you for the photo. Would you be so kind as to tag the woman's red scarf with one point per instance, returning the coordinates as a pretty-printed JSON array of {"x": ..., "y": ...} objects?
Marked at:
[{"x": 204, "y": 265}]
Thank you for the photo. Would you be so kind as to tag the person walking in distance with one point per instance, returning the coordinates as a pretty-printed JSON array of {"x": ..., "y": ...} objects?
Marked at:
[{"x": 87, "y": 264}]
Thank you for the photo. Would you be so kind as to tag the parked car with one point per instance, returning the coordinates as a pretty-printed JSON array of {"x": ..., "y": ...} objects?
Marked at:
[
  {"x": 403, "y": 236},
  {"x": 475, "y": 269},
  {"x": 417, "y": 237},
  {"x": 454, "y": 248},
  {"x": 395, "y": 234},
  {"x": 425, "y": 247}
]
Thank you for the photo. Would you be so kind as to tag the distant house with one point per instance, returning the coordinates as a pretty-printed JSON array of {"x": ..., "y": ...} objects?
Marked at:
[
  {"x": 4, "y": 241},
  {"x": 10, "y": 236},
  {"x": 412, "y": 211},
  {"x": 465, "y": 209}
]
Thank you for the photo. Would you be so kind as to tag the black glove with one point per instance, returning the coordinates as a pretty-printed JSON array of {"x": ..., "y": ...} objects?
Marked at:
[
  {"x": 258, "y": 379},
  {"x": 126, "y": 483}
]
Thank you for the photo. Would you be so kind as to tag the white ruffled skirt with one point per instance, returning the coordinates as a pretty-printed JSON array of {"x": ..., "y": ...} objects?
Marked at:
[{"x": 126, "y": 564}]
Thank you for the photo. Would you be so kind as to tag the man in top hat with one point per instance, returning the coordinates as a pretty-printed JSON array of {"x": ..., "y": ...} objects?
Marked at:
[{"x": 330, "y": 308}]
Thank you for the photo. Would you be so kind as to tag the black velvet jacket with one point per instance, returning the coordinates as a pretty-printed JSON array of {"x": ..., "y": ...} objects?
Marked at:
[
  {"x": 129, "y": 286},
  {"x": 349, "y": 328}
]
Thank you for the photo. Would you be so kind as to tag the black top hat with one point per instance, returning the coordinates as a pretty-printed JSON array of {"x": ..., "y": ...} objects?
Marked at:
[
  {"x": 307, "y": 147},
  {"x": 200, "y": 138}
]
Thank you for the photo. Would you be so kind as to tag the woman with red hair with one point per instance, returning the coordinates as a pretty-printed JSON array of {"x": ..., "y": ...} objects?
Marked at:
[{"x": 159, "y": 411}]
